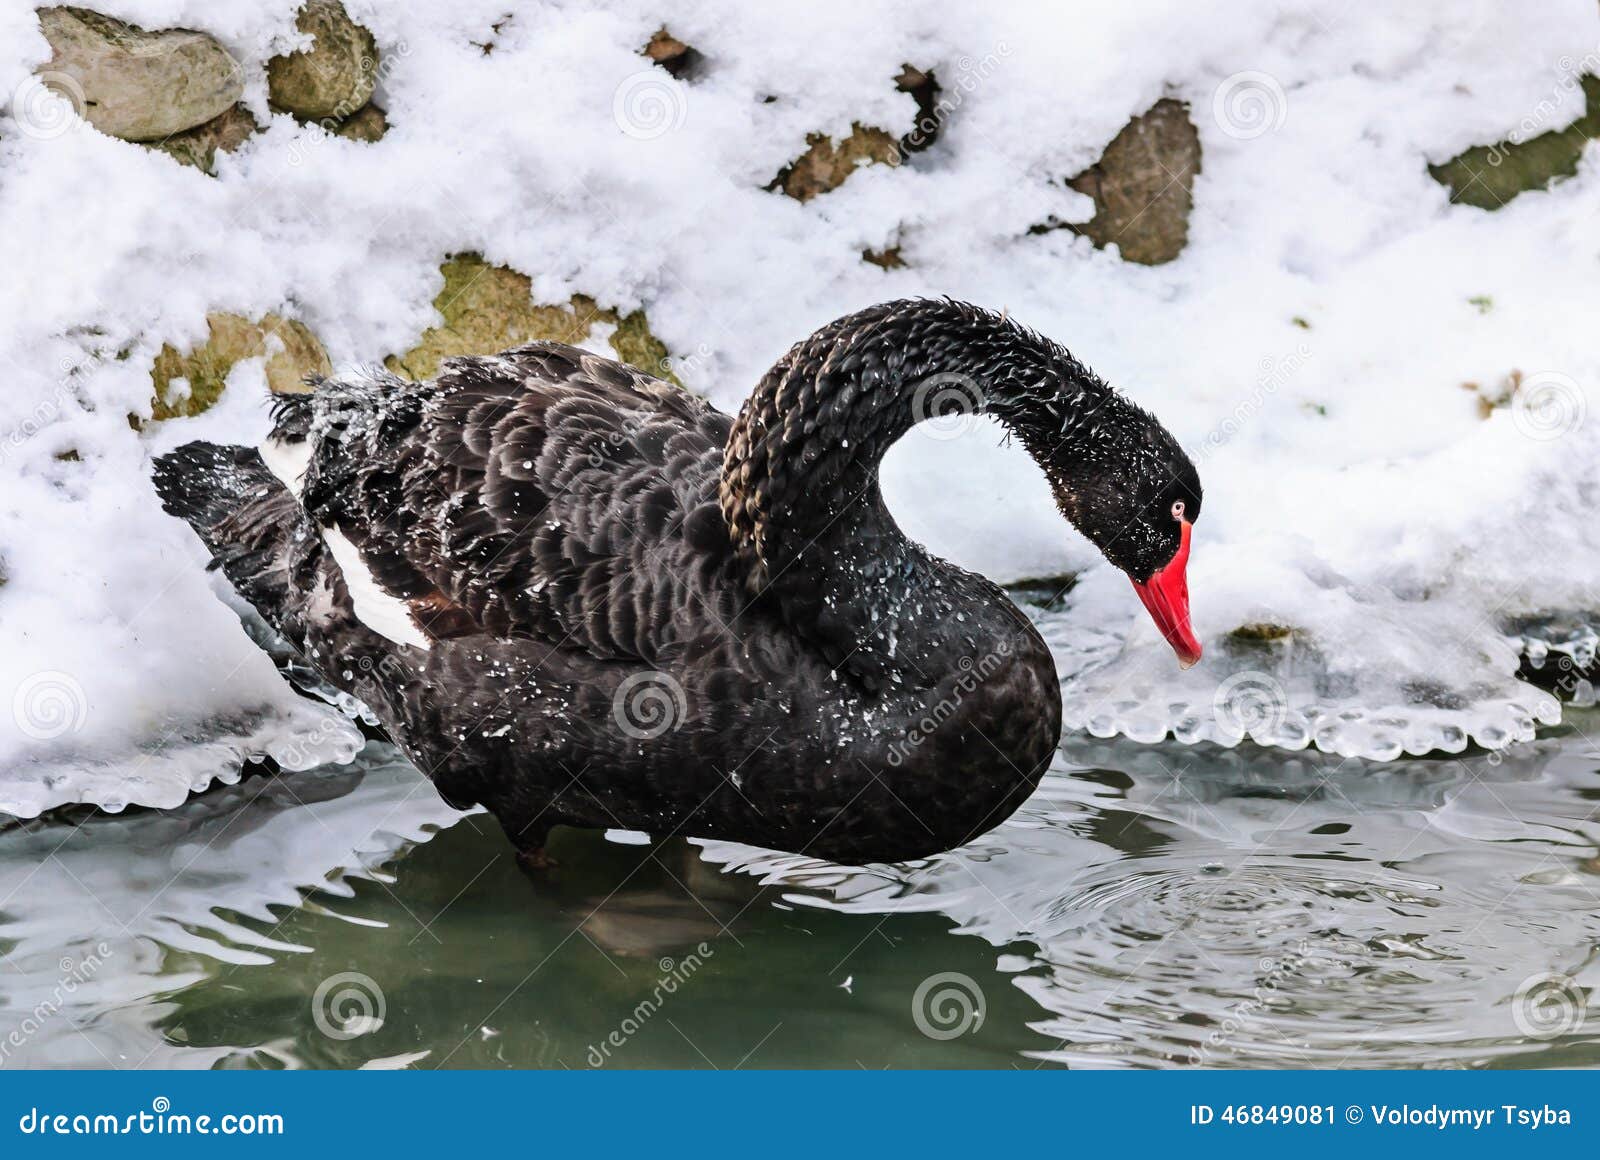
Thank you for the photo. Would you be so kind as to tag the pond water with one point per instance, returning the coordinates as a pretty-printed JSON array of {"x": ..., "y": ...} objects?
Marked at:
[{"x": 1152, "y": 906}]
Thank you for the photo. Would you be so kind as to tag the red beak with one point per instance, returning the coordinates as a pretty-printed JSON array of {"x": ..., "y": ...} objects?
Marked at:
[{"x": 1166, "y": 599}]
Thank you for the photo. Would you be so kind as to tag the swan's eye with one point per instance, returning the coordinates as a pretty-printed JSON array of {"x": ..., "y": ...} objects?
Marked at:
[{"x": 1177, "y": 510}]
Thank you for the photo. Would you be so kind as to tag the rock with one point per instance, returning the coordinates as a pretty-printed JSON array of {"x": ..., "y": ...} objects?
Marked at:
[
  {"x": 924, "y": 89},
  {"x": 824, "y": 165},
  {"x": 1261, "y": 632},
  {"x": 681, "y": 61},
  {"x": 632, "y": 339},
  {"x": 1046, "y": 592},
  {"x": 199, "y": 146},
  {"x": 335, "y": 76},
  {"x": 138, "y": 85},
  {"x": 1488, "y": 176},
  {"x": 1142, "y": 186},
  {"x": 368, "y": 123},
  {"x": 292, "y": 352},
  {"x": 488, "y": 309}
]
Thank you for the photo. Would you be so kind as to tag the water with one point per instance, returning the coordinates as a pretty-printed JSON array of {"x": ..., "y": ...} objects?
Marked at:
[{"x": 1152, "y": 906}]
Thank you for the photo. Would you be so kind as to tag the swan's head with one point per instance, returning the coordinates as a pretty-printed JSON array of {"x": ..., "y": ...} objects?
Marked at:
[
  {"x": 1165, "y": 588},
  {"x": 1133, "y": 491}
]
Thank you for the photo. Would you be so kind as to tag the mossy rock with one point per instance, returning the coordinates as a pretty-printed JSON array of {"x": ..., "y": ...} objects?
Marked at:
[
  {"x": 1489, "y": 176},
  {"x": 135, "y": 84},
  {"x": 292, "y": 353},
  {"x": 488, "y": 309},
  {"x": 632, "y": 340},
  {"x": 825, "y": 165},
  {"x": 199, "y": 146},
  {"x": 1143, "y": 186},
  {"x": 368, "y": 123},
  {"x": 1261, "y": 633},
  {"x": 335, "y": 76}
]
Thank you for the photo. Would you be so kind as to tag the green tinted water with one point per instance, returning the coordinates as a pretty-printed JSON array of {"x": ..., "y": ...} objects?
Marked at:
[{"x": 1151, "y": 906}]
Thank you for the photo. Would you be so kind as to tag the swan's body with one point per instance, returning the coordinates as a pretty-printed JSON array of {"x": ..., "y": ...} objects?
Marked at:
[{"x": 579, "y": 595}]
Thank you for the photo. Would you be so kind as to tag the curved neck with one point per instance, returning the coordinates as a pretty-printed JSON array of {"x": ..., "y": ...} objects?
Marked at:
[{"x": 800, "y": 476}]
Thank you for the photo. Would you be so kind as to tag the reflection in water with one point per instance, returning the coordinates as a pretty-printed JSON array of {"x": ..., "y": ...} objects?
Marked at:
[{"x": 1152, "y": 906}]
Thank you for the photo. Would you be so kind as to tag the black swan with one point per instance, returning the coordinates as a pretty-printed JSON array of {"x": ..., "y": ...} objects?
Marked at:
[{"x": 580, "y": 595}]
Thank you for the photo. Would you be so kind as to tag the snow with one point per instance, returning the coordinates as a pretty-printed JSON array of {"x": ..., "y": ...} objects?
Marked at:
[{"x": 1353, "y": 491}]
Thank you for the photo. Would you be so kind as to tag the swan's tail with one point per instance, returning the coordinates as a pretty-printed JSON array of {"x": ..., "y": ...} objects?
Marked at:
[{"x": 243, "y": 513}]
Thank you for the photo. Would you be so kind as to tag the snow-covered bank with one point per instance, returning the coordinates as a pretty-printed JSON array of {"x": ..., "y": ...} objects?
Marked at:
[{"x": 1309, "y": 344}]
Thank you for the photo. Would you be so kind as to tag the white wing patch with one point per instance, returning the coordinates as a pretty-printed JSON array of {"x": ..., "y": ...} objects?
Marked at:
[
  {"x": 384, "y": 614},
  {"x": 288, "y": 461}
]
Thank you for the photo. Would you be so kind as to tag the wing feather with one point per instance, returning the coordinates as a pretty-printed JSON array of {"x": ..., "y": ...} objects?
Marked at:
[{"x": 544, "y": 493}]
